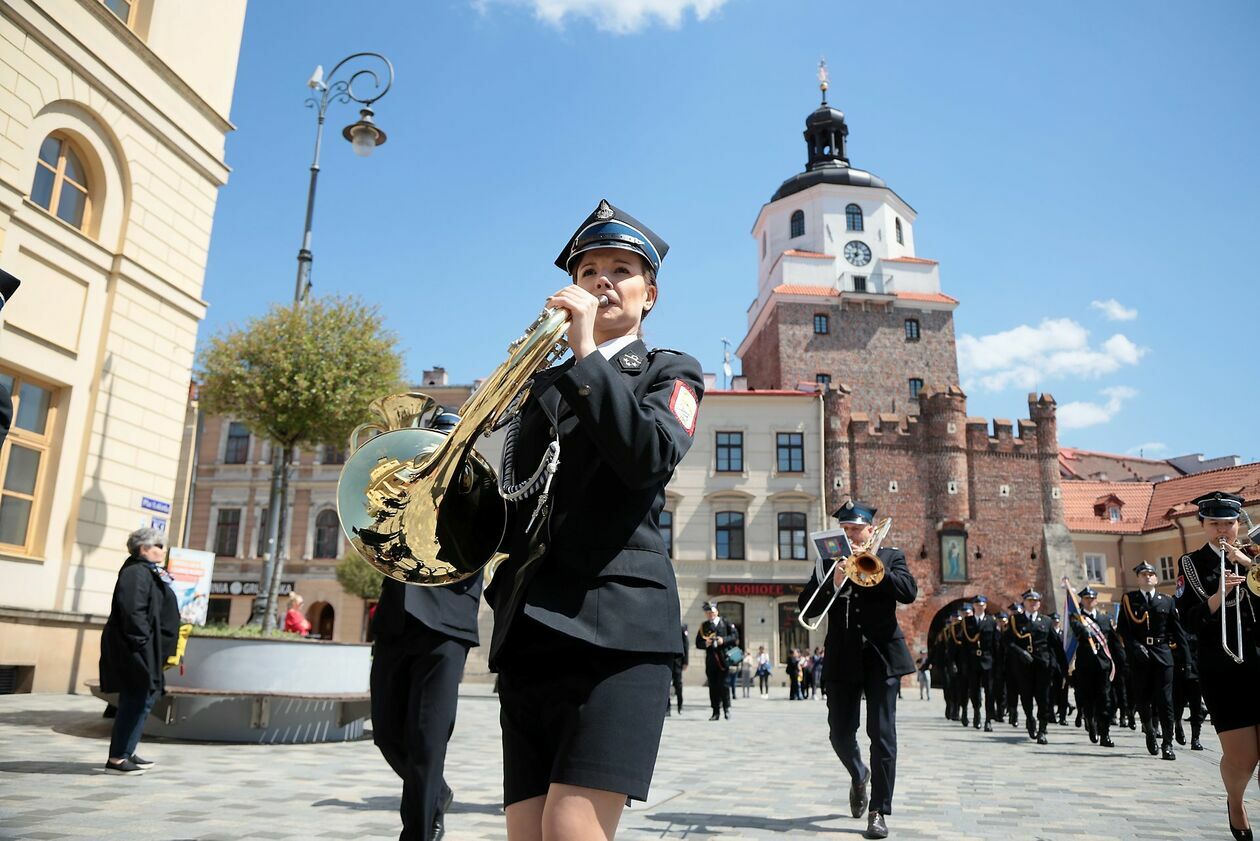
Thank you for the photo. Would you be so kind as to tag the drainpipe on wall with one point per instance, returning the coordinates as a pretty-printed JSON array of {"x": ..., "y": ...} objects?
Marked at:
[
  {"x": 1181, "y": 530},
  {"x": 822, "y": 461},
  {"x": 1123, "y": 565}
]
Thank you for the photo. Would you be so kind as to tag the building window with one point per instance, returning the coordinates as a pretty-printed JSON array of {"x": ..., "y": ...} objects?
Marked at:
[
  {"x": 859, "y": 283},
  {"x": 763, "y": 245},
  {"x": 264, "y": 524},
  {"x": 916, "y": 385},
  {"x": 667, "y": 532},
  {"x": 226, "y": 531},
  {"x": 790, "y": 452},
  {"x": 1167, "y": 569},
  {"x": 912, "y": 329},
  {"x": 61, "y": 182},
  {"x": 822, "y": 324},
  {"x": 728, "y": 537},
  {"x": 1113, "y": 513},
  {"x": 1095, "y": 566},
  {"x": 823, "y": 380},
  {"x": 730, "y": 452},
  {"x": 326, "y": 530},
  {"x": 333, "y": 455},
  {"x": 900, "y": 241},
  {"x": 791, "y": 536},
  {"x": 237, "y": 449},
  {"x": 122, "y": 9},
  {"x": 853, "y": 217},
  {"x": 24, "y": 461},
  {"x": 798, "y": 224},
  {"x": 218, "y": 611}
]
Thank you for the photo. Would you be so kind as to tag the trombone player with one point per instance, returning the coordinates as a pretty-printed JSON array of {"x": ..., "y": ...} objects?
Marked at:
[
  {"x": 866, "y": 655},
  {"x": 1229, "y": 642}
]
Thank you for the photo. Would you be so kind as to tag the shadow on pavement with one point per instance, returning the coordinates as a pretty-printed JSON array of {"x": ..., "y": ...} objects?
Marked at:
[
  {"x": 704, "y": 823},
  {"x": 391, "y": 804},
  {"x": 65, "y": 722},
  {"x": 31, "y": 766}
]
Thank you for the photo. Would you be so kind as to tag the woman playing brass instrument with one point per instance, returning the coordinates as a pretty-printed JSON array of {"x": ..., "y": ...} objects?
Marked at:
[
  {"x": 586, "y": 611},
  {"x": 1230, "y": 688}
]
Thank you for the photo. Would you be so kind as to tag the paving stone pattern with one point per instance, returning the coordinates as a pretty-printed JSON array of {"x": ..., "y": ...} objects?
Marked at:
[{"x": 768, "y": 773}]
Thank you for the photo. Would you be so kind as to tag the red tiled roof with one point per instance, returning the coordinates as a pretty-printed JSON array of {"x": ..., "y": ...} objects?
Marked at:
[
  {"x": 793, "y": 252},
  {"x": 929, "y": 297},
  {"x": 1148, "y": 505},
  {"x": 796, "y": 289},
  {"x": 912, "y": 260},
  {"x": 1103, "y": 467},
  {"x": 1080, "y": 502}
]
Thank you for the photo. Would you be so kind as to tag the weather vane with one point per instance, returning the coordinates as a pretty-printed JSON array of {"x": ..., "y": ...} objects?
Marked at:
[{"x": 823, "y": 79}]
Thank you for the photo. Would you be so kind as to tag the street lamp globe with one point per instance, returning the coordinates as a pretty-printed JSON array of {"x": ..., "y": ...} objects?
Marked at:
[{"x": 364, "y": 135}]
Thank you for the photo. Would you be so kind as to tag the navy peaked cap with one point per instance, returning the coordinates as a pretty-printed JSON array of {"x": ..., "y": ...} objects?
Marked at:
[
  {"x": 609, "y": 226},
  {"x": 855, "y": 512},
  {"x": 1219, "y": 505}
]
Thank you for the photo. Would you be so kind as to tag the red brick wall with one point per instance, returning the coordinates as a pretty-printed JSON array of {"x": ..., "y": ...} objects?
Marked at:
[{"x": 761, "y": 363}]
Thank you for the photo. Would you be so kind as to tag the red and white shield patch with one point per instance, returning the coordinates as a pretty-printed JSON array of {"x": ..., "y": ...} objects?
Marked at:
[{"x": 684, "y": 405}]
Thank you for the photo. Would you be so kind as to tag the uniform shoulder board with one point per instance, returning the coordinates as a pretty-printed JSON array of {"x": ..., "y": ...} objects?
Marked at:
[{"x": 655, "y": 351}]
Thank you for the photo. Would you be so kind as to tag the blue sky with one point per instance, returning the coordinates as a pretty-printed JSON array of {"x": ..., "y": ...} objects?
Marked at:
[{"x": 1084, "y": 172}]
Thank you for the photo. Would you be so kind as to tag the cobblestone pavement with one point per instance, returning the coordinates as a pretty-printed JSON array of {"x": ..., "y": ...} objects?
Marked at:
[{"x": 768, "y": 773}]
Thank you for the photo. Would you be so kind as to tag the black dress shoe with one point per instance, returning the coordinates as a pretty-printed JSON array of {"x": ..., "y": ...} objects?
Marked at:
[
  {"x": 976, "y": 724},
  {"x": 1132, "y": 723},
  {"x": 1195, "y": 744},
  {"x": 1106, "y": 742},
  {"x": 876, "y": 827},
  {"x": 1093, "y": 737},
  {"x": 1167, "y": 753},
  {"x": 1151, "y": 747},
  {"x": 439, "y": 827},
  {"x": 858, "y": 797},
  {"x": 988, "y": 727},
  {"x": 726, "y": 713},
  {"x": 1042, "y": 740},
  {"x": 714, "y": 717},
  {"x": 963, "y": 719}
]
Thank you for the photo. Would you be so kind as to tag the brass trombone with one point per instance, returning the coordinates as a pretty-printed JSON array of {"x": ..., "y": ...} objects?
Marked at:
[
  {"x": 862, "y": 566},
  {"x": 1238, "y": 656}
]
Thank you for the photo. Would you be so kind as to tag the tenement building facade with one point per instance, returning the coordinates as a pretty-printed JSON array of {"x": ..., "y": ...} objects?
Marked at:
[
  {"x": 846, "y": 306},
  {"x": 113, "y": 117}
]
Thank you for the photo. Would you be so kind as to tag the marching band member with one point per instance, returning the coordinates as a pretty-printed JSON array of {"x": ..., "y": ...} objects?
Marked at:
[
  {"x": 1230, "y": 688},
  {"x": 586, "y": 610},
  {"x": 715, "y": 638},
  {"x": 1096, "y": 645},
  {"x": 1037, "y": 648},
  {"x": 866, "y": 655},
  {"x": 981, "y": 632},
  {"x": 1148, "y": 624}
]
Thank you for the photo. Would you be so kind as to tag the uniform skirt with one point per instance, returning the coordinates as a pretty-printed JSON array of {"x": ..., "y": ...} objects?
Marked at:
[
  {"x": 1230, "y": 690},
  {"x": 576, "y": 714}
]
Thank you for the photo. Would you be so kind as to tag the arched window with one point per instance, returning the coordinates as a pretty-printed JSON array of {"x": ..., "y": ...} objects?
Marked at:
[
  {"x": 798, "y": 223},
  {"x": 326, "y": 529},
  {"x": 61, "y": 182},
  {"x": 853, "y": 217},
  {"x": 900, "y": 240}
]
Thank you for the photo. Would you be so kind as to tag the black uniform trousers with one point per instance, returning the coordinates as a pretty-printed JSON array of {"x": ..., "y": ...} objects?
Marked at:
[
  {"x": 415, "y": 686},
  {"x": 843, "y": 711},
  {"x": 1034, "y": 680},
  {"x": 1188, "y": 692},
  {"x": 676, "y": 677},
  {"x": 1153, "y": 692},
  {"x": 719, "y": 690},
  {"x": 1011, "y": 676},
  {"x": 1093, "y": 696},
  {"x": 979, "y": 679}
]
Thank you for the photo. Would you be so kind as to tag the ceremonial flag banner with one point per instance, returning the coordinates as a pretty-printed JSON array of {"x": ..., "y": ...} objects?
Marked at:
[
  {"x": 1070, "y": 609},
  {"x": 191, "y": 570}
]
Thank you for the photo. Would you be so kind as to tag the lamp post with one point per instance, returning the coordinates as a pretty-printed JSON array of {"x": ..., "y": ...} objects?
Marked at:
[{"x": 364, "y": 136}]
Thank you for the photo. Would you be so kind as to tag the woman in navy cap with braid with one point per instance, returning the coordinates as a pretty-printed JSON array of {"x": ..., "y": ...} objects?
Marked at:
[
  {"x": 586, "y": 611},
  {"x": 1230, "y": 688}
]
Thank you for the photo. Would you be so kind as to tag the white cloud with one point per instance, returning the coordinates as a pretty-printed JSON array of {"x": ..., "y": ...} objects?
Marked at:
[
  {"x": 1114, "y": 310},
  {"x": 1080, "y": 414},
  {"x": 1027, "y": 356},
  {"x": 622, "y": 17},
  {"x": 1148, "y": 450}
]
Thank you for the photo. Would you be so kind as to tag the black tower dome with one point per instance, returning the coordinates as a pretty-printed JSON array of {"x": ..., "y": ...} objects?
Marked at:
[{"x": 826, "y": 138}]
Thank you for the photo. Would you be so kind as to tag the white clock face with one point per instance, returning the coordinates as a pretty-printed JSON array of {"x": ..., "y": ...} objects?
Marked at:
[{"x": 857, "y": 253}]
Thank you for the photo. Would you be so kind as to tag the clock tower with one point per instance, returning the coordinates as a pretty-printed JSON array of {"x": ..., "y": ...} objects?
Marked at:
[{"x": 842, "y": 297}]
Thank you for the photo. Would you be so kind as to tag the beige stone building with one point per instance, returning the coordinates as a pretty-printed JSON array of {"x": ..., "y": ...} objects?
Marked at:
[
  {"x": 113, "y": 117},
  {"x": 1117, "y": 525}
]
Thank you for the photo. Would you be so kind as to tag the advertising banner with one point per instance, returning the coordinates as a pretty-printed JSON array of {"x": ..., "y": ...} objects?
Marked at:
[{"x": 192, "y": 571}]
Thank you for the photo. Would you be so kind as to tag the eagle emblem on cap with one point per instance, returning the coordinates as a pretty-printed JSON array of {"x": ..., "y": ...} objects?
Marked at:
[{"x": 603, "y": 212}]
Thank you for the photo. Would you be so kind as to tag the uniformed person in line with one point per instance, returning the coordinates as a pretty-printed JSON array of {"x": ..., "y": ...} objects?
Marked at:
[
  {"x": 421, "y": 641},
  {"x": 1038, "y": 648},
  {"x": 8, "y": 285},
  {"x": 964, "y": 652},
  {"x": 1011, "y": 665},
  {"x": 676, "y": 672},
  {"x": 1059, "y": 707},
  {"x": 939, "y": 662},
  {"x": 1123, "y": 711},
  {"x": 586, "y": 613},
  {"x": 999, "y": 667},
  {"x": 958, "y": 681},
  {"x": 1096, "y": 647},
  {"x": 1186, "y": 689},
  {"x": 715, "y": 638},
  {"x": 1148, "y": 624},
  {"x": 981, "y": 632},
  {"x": 866, "y": 656},
  {"x": 1229, "y": 656}
]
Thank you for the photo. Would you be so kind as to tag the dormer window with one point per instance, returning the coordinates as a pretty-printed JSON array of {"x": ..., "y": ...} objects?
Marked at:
[
  {"x": 853, "y": 218},
  {"x": 798, "y": 224},
  {"x": 1113, "y": 513},
  {"x": 1109, "y": 506}
]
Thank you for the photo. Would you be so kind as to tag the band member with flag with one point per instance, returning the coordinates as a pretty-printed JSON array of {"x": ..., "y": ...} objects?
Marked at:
[
  {"x": 1096, "y": 644},
  {"x": 1229, "y": 661},
  {"x": 866, "y": 656}
]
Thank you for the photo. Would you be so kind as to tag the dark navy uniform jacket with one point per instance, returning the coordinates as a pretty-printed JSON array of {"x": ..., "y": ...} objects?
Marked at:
[
  {"x": 982, "y": 639},
  {"x": 450, "y": 610},
  {"x": 1150, "y": 624},
  {"x": 1200, "y": 579},
  {"x": 715, "y": 656},
  {"x": 1091, "y": 656},
  {"x": 1039, "y": 638},
  {"x": 866, "y": 617},
  {"x": 596, "y": 568}
]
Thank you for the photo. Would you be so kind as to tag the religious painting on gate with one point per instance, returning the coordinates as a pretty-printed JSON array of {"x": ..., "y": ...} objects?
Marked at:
[{"x": 953, "y": 556}]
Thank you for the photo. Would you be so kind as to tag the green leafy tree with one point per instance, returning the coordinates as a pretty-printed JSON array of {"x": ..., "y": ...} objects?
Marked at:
[
  {"x": 299, "y": 376},
  {"x": 359, "y": 578}
]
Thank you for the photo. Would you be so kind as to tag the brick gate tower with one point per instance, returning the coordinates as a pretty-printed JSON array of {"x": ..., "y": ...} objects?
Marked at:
[{"x": 845, "y": 305}]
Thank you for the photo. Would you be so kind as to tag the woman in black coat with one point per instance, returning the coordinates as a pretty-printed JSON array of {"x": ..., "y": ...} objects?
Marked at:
[
  {"x": 586, "y": 611},
  {"x": 141, "y": 632}
]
